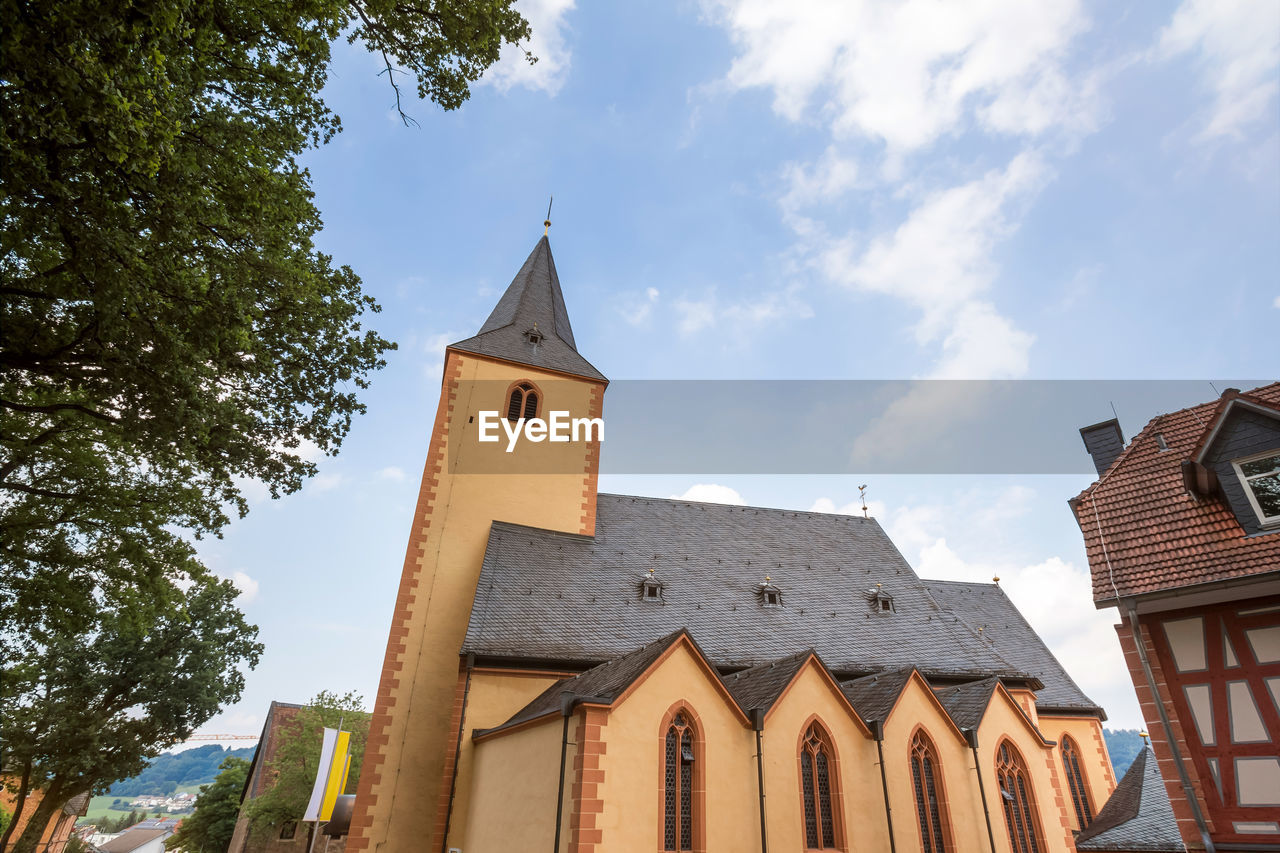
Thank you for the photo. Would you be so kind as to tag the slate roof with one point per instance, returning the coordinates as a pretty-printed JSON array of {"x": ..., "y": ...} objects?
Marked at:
[
  {"x": 760, "y": 686},
  {"x": 1156, "y": 535},
  {"x": 985, "y": 606},
  {"x": 602, "y": 684},
  {"x": 966, "y": 704},
  {"x": 533, "y": 297},
  {"x": 549, "y": 596},
  {"x": 873, "y": 696},
  {"x": 1137, "y": 817}
]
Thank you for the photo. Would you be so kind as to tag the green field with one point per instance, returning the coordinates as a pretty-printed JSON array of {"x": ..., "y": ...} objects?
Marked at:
[{"x": 100, "y": 807}]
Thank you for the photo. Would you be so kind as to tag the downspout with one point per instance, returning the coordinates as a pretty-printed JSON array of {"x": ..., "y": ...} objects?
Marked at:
[
  {"x": 457, "y": 751},
  {"x": 568, "y": 701},
  {"x": 971, "y": 738},
  {"x": 1132, "y": 613},
  {"x": 877, "y": 732},
  {"x": 566, "y": 711},
  {"x": 757, "y": 722}
]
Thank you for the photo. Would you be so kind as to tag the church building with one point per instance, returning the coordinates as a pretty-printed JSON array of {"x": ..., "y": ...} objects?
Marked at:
[{"x": 575, "y": 671}]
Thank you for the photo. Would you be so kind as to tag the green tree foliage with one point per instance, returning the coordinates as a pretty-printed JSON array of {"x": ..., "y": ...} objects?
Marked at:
[
  {"x": 210, "y": 826},
  {"x": 189, "y": 767},
  {"x": 297, "y": 759},
  {"x": 1123, "y": 745},
  {"x": 169, "y": 330},
  {"x": 96, "y": 698}
]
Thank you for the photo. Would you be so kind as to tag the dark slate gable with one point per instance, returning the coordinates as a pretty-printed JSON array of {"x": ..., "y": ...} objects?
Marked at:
[
  {"x": 1138, "y": 817},
  {"x": 760, "y": 686},
  {"x": 533, "y": 298},
  {"x": 985, "y": 606},
  {"x": 873, "y": 696},
  {"x": 549, "y": 596},
  {"x": 967, "y": 703}
]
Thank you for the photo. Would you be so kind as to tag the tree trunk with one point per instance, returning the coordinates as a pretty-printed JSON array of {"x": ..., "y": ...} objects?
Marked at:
[
  {"x": 17, "y": 805},
  {"x": 50, "y": 804}
]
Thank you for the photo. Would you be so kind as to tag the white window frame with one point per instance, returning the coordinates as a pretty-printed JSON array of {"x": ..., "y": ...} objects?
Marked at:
[{"x": 1266, "y": 520}]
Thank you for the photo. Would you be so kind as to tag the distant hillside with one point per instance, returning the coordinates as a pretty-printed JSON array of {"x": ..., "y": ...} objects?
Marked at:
[
  {"x": 1124, "y": 746},
  {"x": 168, "y": 770}
]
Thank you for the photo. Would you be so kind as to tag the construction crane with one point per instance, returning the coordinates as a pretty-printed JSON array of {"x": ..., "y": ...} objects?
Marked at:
[{"x": 220, "y": 737}]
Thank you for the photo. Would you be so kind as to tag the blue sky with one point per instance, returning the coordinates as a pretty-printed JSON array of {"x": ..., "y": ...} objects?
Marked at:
[{"x": 754, "y": 190}]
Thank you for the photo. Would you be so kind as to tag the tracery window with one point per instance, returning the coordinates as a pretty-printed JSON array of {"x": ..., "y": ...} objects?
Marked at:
[
  {"x": 522, "y": 401},
  {"x": 1019, "y": 801},
  {"x": 817, "y": 781},
  {"x": 931, "y": 807},
  {"x": 1075, "y": 781},
  {"x": 678, "y": 799}
]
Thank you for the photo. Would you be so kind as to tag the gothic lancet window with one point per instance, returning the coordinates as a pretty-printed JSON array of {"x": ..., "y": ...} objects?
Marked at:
[
  {"x": 677, "y": 785},
  {"x": 522, "y": 401},
  {"x": 931, "y": 807},
  {"x": 1075, "y": 781},
  {"x": 1019, "y": 801},
  {"x": 817, "y": 772}
]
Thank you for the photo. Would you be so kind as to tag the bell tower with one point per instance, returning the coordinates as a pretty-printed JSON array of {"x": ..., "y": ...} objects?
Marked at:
[{"x": 523, "y": 363}]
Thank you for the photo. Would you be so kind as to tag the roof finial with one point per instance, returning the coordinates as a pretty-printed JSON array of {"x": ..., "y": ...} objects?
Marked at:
[
  {"x": 1144, "y": 737},
  {"x": 546, "y": 224},
  {"x": 862, "y": 495}
]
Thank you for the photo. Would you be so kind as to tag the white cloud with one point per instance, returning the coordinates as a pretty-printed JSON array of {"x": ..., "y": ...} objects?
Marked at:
[
  {"x": 636, "y": 308},
  {"x": 940, "y": 261},
  {"x": 547, "y": 20},
  {"x": 1277, "y": 302},
  {"x": 391, "y": 472},
  {"x": 326, "y": 482},
  {"x": 909, "y": 72},
  {"x": 743, "y": 314},
  {"x": 1237, "y": 47},
  {"x": 711, "y": 493},
  {"x": 248, "y": 587}
]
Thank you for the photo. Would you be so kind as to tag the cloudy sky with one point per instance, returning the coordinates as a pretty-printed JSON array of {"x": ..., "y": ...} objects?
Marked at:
[{"x": 785, "y": 190}]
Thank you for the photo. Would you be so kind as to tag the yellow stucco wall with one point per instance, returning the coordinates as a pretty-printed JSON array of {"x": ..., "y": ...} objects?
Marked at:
[
  {"x": 861, "y": 794},
  {"x": 1095, "y": 763},
  {"x": 917, "y": 707},
  {"x": 1003, "y": 719},
  {"x": 493, "y": 698},
  {"x": 632, "y": 765},
  {"x": 515, "y": 807},
  {"x": 446, "y": 549}
]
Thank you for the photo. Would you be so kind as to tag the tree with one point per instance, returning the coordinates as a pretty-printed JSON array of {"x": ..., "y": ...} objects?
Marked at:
[
  {"x": 169, "y": 330},
  {"x": 297, "y": 759},
  {"x": 95, "y": 699},
  {"x": 210, "y": 826}
]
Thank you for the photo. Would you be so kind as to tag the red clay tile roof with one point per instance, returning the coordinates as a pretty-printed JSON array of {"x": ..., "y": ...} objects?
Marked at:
[{"x": 1145, "y": 533}]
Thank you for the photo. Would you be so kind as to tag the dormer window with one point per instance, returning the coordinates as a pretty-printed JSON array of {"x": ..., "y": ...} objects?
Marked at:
[
  {"x": 522, "y": 402},
  {"x": 534, "y": 336},
  {"x": 768, "y": 594},
  {"x": 650, "y": 588},
  {"x": 880, "y": 601},
  {"x": 1260, "y": 476}
]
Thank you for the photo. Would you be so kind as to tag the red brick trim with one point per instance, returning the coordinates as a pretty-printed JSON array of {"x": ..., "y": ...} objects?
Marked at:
[
  {"x": 584, "y": 835},
  {"x": 377, "y": 749},
  {"x": 450, "y": 760},
  {"x": 1159, "y": 741},
  {"x": 591, "y": 466},
  {"x": 1060, "y": 799}
]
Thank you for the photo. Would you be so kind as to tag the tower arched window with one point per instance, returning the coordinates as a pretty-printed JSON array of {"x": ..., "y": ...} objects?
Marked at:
[
  {"x": 1018, "y": 800},
  {"x": 819, "y": 790},
  {"x": 681, "y": 800},
  {"x": 931, "y": 804},
  {"x": 1075, "y": 781},
  {"x": 522, "y": 401}
]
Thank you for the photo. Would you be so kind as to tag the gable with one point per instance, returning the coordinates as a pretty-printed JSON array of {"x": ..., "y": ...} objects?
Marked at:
[
  {"x": 813, "y": 690},
  {"x": 916, "y": 704},
  {"x": 1243, "y": 430},
  {"x": 1004, "y": 716}
]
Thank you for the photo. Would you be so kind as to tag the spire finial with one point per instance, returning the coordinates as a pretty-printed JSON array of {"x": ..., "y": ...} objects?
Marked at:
[
  {"x": 1144, "y": 737},
  {"x": 546, "y": 224}
]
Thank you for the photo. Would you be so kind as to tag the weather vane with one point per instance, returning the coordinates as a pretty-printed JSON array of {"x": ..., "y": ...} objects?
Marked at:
[{"x": 546, "y": 224}]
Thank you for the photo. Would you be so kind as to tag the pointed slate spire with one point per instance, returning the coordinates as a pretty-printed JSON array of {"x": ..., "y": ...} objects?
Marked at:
[
  {"x": 530, "y": 324},
  {"x": 1138, "y": 816}
]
